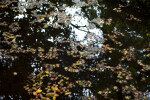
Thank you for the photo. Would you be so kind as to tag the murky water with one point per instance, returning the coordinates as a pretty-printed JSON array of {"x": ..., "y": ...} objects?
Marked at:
[{"x": 74, "y": 50}]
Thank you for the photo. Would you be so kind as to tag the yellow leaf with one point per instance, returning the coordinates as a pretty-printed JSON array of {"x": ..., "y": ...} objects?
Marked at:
[
  {"x": 133, "y": 88},
  {"x": 34, "y": 93},
  {"x": 77, "y": 63},
  {"x": 38, "y": 91},
  {"x": 123, "y": 74},
  {"x": 41, "y": 16},
  {"x": 40, "y": 74},
  {"x": 54, "y": 88},
  {"x": 105, "y": 46},
  {"x": 47, "y": 15},
  {"x": 54, "y": 98},
  {"x": 11, "y": 37},
  {"x": 56, "y": 95},
  {"x": 148, "y": 34},
  {"x": 15, "y": 73},
  {"x": 145, "y": 97},
  {"x": 47, "y": 72},
  {"x": 100, "y": 92},
  {"x": 125, "y": 52},
  {"x": 67, "y": 93},
  {"x": 58, "y": 90},
  {"x": 3, "y": 6}
]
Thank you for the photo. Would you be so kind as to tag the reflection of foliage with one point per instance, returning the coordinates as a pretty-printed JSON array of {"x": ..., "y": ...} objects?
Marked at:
[{"x": 64, "y": 64}]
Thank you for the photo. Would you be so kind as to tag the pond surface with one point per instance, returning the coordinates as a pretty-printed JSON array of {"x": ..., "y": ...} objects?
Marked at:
[{"x": 74, "y": 50}]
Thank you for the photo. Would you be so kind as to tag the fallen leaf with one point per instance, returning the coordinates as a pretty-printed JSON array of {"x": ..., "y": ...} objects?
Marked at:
[
  {"x": 15, "y": 73},
  {"x": 39, "y": 91},
  {"x": 105, "y": 46},
  {"x": 80, "y": 83},
  {"x": 50, "y": 94},
  {"x": 67, "y": 93},
  {"x": 41, "y": 16},
  {"x": 125, "y": 52},
  {"x": 47, "y": 72},
  {"x": 11, "y": 37},
  {"x": 100, "y": 92},
  {"x": 3, "y": 6}
]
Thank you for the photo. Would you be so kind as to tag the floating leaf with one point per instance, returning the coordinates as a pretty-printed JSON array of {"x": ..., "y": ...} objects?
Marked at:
[
  {"x": 39, "y": 91},
  {"x": 58, "y": 90},
  {"x": 148, "y": 34},
  {"x": 54, "y": 88},
  {"x": 148, "y": 68},
  {"x": 125, "y": 52},
  {"x": 41, "y": 16},
  {"x": 3, "y": 6},
  {"x": 123, "y": 74},
  {"x": 67, "y": 93},
  {"x": 100, "y": 92},
  {"x": 148, "y": 55},
  {"x": 15, "y": 73},
  {"x": 80, "y": 83},
  {"x": 47, "y": 72},
  {"x": 47, "y": 15},
  {"x": 11, "y": 37},
  {"x": 50, "y": 94},
  {"x": 77, "y": 63},
  {"x": 34, "y": 93},
  {"x": 105, "y": 46},
  {"x": 54, "y": 98}
]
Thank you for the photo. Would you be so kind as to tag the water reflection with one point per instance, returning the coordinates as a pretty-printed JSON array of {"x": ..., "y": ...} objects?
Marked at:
[{"x": 73, "y": 50}]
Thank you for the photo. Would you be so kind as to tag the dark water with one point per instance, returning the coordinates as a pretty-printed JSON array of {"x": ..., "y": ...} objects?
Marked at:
[{"x": 74, "y": 50}]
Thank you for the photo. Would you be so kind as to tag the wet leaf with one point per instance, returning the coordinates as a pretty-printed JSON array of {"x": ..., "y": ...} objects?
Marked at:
[
  {"x": 54, "y": 98},
  {"x": 50, "y": 94},
  {"x": 41, "y": 17},
  {"x": 105, "y": 46},
  {"x": 11, "y": 37},
  {"x": 100, "y": 92},
  {"x": 47, "y": 72},
  {"x": 80, "y": 83},
  {"x": 77, "y": 63},
  {"x": 3, "y": 6},
  {"x": 67, "y": 93},
  {"x": 15, "y": 73},
  {"x": 34, "y": 93},
  {"x": 125, "y": 52},
  {"x": 148, "y": 68},
  {"x": 39, "y": 91}
]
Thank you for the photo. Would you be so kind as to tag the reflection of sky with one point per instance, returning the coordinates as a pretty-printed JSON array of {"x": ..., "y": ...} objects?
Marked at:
[
  {"x": 87, "y": 92},
  {"x": 79, "y": 20}
]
